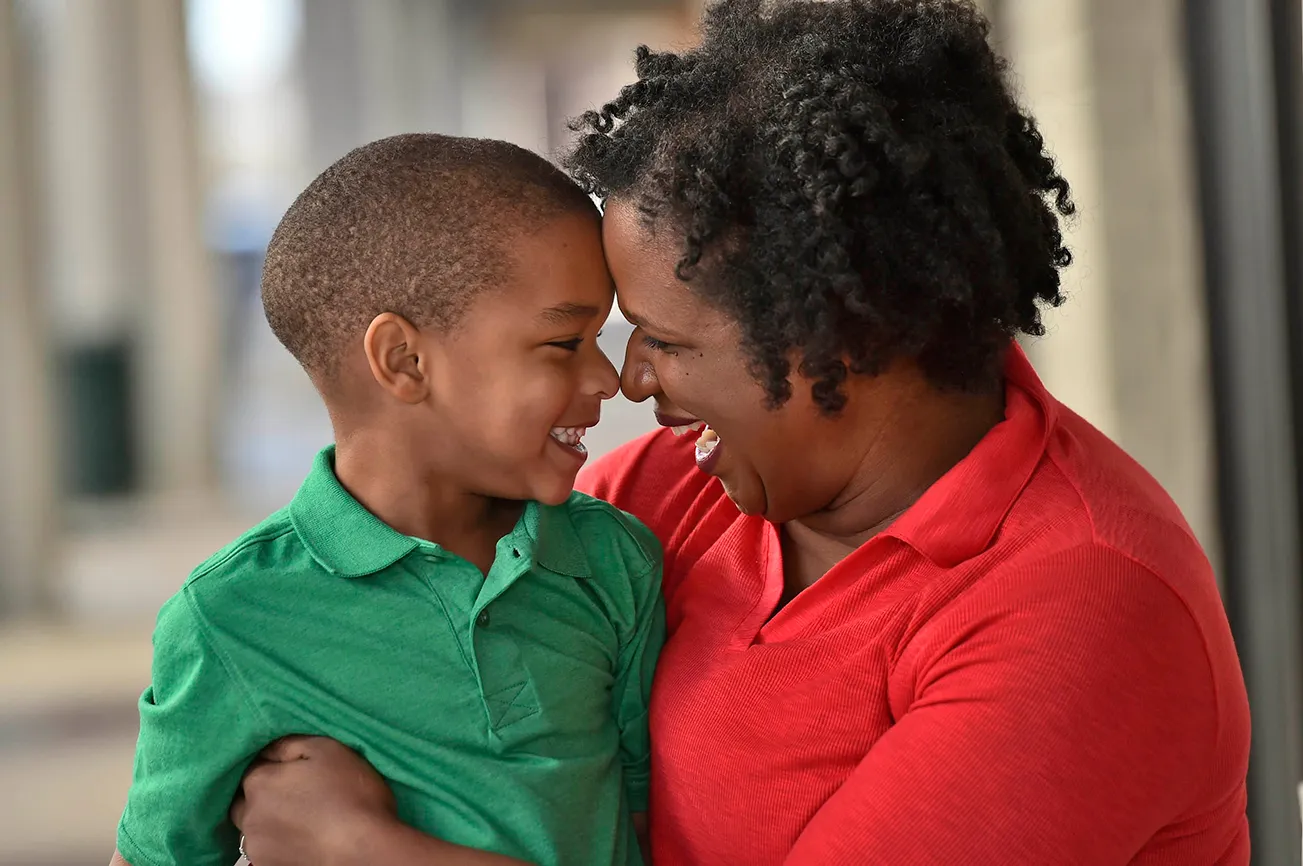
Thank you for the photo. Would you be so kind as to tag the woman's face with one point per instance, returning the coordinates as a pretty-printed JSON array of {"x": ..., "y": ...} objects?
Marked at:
[{"x": 686, "y": 355}]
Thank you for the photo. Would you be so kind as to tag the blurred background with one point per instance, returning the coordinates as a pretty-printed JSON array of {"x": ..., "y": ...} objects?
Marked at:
[{"x": 147, "y": 415}]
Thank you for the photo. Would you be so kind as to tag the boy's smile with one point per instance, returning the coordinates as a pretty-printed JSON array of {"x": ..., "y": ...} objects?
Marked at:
[
  {"x": 569, "y": 439},
  {"x": 518, "y": 380}
]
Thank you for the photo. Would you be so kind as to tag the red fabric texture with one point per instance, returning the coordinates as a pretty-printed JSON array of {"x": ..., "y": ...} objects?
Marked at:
[{"x": 1031, "y": 666}]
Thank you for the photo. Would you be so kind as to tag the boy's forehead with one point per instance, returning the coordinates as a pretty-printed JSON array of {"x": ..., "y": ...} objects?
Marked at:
[
  {"x": 562, "y": 252},
  {"x": 564, "y": 288},
  {"x": 567, "y": 312}
]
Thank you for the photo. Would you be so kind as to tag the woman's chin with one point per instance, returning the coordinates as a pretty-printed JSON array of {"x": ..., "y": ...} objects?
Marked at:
[{"x": 748, "y": 496}]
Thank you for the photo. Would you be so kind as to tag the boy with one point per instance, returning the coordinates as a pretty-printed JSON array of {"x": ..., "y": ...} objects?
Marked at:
[{"x": 436, "y": 596}]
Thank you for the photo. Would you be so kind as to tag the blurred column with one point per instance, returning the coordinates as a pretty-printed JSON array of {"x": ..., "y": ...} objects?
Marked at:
[
  {"x": 93, "y": 237},
  {"x": 133, "y": 308},
  {"x": 332, "y": 81},
  {"x": 1050, "y": 46},
  {"x": 505, "y": 88},
  {"x": 27, "y": 480},
  {"x": 1128, "y": 350},
  {"x": 382, "y": 68},
  {"x": 1153, "y": 274},
  {"x": 1243, "y": 71},
  {"x": 181, "y": 342}
]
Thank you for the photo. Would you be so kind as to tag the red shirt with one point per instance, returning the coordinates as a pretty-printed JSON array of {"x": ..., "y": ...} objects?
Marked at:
[{"x": 1031, "y": 666}]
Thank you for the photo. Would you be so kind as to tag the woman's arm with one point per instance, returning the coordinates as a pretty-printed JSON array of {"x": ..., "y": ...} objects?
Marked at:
[{"x": 310, "y": 801}]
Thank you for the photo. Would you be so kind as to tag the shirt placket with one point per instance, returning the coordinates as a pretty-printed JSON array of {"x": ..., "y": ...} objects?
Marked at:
[{"x": 505, "y": 691}]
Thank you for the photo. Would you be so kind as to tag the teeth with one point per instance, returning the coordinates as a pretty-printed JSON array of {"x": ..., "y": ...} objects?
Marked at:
[
  {"x": 569, "y": 436},
  {"x": 707, "y": 442},
  {"x": 688, "y": 428}
]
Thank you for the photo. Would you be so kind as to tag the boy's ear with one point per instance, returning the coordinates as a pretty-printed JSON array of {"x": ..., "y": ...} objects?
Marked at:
[{"x": 397, "y": 357}]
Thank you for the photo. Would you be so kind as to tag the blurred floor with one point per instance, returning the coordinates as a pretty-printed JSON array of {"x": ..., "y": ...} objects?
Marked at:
[{"x": 67, "y": 733}]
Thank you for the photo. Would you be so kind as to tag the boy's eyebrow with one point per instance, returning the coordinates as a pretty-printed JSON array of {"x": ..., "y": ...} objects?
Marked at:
[{"x": 563, "y": 314}]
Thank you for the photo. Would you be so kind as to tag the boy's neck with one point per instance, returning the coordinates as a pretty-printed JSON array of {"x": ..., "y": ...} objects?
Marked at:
[{"x": 394, "y": 486}]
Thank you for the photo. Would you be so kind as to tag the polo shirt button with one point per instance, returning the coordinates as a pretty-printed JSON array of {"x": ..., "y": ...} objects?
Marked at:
[
  {"x": 483, "y": 619},
  {"x": 515, "y": 552}
]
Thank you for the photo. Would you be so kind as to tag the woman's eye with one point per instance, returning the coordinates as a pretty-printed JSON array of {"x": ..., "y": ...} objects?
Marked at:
[
  {"x": 568, "y": 345},
  {"x": 654, "y": 344}
]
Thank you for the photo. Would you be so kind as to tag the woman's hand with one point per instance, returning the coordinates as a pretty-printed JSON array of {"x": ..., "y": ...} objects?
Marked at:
[{"x": 309, "y": 801}]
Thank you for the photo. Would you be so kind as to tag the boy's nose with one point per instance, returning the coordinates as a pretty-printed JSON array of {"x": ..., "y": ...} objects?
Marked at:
[{"x": 603, "y": 378}]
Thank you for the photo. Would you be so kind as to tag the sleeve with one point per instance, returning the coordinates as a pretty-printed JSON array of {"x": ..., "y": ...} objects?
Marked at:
[
  {"x": 634, "y": 670},
  {"x": 198, "y": 734},
  {"x": 1038, "y": 723}
]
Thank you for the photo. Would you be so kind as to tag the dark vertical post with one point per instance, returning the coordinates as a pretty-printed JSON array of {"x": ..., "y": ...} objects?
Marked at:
[{"x": 1248, "y": 212}]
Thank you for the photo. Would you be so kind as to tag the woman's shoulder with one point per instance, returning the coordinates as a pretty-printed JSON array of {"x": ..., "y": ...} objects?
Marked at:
[{"x": 654, "y": 478}]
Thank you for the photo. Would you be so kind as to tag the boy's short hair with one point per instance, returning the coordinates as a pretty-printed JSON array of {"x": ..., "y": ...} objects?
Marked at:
[{"x": 416, "y": 225}]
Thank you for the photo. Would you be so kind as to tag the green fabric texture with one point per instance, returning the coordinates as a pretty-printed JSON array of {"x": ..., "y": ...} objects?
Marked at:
[{"x": 508, "y": 711}]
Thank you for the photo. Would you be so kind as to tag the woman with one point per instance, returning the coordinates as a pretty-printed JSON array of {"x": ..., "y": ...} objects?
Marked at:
[{"x": 919, "y": 612}]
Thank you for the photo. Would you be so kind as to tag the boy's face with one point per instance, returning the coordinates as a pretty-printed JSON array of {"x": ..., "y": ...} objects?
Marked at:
[{"x": 517, "y": 381}]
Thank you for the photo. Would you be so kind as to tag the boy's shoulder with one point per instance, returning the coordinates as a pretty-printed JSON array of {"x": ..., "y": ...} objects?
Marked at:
[
  {"x": 269, "y": 547},
  {"x": 603, "y": 529}
]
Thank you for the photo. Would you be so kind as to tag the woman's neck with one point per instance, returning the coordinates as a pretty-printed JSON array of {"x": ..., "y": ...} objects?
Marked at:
[
  {"x": 915, "y": 436},
  {"x": 914, "y": 441}
]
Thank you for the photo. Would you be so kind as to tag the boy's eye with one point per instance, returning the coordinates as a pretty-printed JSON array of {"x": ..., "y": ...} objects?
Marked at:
[{"x": 569, "y": 345}]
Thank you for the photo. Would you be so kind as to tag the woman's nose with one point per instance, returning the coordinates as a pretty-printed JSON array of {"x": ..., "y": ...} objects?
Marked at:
[{"x": 638, "y": 376}]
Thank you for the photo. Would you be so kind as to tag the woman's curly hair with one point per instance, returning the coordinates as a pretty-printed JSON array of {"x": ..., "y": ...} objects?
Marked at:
[{"x": 856, "y": 183}]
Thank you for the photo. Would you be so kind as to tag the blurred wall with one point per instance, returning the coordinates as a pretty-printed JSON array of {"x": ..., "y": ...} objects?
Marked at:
[
  {"x": 1128, "y": 350},
  {"x": 156, "y": 189},
  {"x": 147, "y": 415},
  {"x": 27, "y": 488}
]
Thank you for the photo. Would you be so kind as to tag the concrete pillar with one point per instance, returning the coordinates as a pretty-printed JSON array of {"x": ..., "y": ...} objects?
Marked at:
[
  {"x": 1050, "y": 45},
  {"x": 382, "y": 68},
  {"x": 1128, "y": 350},
  {"x": 1157, "y": 329},
  {"x": 27, "y": 478},
  {"x": 132, "y": 304},
  {"x": 181, "y": 343},
  {"x": 556, "y": 65},
  {"x": 92, "y": 171},
  {"x": 92, "y": 238}
]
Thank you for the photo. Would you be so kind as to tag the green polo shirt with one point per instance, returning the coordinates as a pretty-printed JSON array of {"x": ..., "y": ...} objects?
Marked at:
[{"x": 508, "y": 712}]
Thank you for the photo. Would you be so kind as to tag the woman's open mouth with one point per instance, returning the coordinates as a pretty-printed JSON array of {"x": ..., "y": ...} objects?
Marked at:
[
  {"x": 708, "y": 450},
  {"x": 708, "y": 443}
]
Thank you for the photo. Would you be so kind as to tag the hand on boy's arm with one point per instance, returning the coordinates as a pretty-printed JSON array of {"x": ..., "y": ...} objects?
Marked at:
[{"x": 310, "y": 801}]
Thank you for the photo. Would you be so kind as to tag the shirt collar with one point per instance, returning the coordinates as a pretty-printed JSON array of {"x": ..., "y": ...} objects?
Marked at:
[
  {"x": 349, "y": 541},
  {"x": 959, "y": 515},
  {"x": 556, "y": 545}
]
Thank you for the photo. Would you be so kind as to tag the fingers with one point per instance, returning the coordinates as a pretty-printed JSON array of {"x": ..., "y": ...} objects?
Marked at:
[{"x": 239, "y": 810}]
